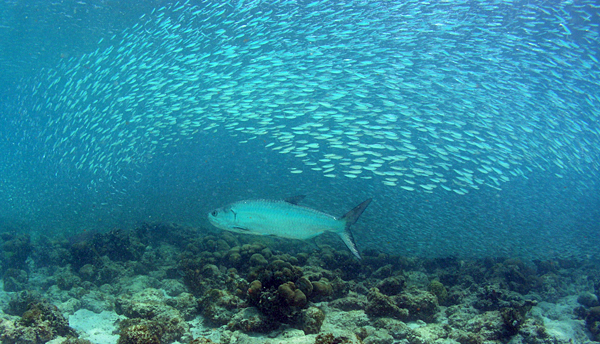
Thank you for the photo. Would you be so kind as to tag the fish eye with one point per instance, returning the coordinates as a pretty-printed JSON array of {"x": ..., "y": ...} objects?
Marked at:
[{"x": 214, "y": 213}]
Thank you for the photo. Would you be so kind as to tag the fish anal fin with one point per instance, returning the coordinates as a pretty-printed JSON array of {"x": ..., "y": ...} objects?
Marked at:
[
  {"x": 295, "y": 199},
  {"x": 348, "y": 239}
]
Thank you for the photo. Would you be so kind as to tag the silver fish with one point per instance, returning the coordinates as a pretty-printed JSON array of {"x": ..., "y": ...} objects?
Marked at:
[{"x": 286, "y": 219}]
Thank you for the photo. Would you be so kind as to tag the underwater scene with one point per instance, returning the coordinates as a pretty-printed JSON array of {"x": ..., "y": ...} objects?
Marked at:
[{"x": 299, "y": 171}]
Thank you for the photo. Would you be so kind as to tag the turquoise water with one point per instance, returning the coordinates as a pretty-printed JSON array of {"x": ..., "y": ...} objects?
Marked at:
[{"x": 473, "y": 125}]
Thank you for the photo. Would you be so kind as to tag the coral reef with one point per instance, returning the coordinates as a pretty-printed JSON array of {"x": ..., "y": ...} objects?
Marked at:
[
  {"x": 250, "y": 320},
  {"x": 162, "y": 278},
  {"x": 438, "y": 289},
  {"x": 328, "y": 338},
  {"x": 150, "y": 318},
  {"x": 15, "y": 251},
  {"x": 219, "y": 306},
  {"x": 40, "y": 322},
  {"x": 383, "y": 305},
  {"x": 140, "y": 332},
  {"x": 15, "y": 279},
  {"x": 592, "y": 321}
]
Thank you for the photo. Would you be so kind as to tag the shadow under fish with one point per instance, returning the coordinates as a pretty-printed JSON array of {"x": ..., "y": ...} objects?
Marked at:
[{"x": 286, "y": 219}]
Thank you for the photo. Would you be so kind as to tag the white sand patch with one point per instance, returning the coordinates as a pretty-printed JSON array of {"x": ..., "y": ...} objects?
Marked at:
[
  {"x": 97, "y": 328},
  {"x": 559, "y": 320}
]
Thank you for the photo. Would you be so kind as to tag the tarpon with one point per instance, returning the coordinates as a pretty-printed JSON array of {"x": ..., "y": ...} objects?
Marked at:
[{"x": 286, "y": 219}]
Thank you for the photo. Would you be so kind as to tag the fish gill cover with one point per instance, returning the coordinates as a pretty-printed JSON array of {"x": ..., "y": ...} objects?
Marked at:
[{"x": 474, "y": 125}]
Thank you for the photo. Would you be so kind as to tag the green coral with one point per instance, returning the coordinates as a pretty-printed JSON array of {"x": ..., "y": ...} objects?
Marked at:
[
  {"x": 322, "y": 289},
  {"x": 438, "y": 289}
]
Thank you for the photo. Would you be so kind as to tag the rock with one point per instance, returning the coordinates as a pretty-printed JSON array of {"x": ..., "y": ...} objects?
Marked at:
[
  {"x": 311, "y": 320},
  {"x": 587, "y": 299},
  {"x": 15, "y": 250},
  {"x": 186, "y": 304},
  {"x": 87, "y": 272},
  {"x": 422, "y": 305},
  {"x": 364, "y": 331},
  {"x": 143, "y": 304},
  {"x": 97, "y": 301},
  {"x": 250, "y": 320},
  {"x": 173, "y": 287},
  {"x": 380, "y": 305},
  {"x": 70, "y": 306},
  {"x": 349, "y": 303},
  {"x": 65, "y": 279},
  {"x": 384, "y": 271},
  {"x": 152, "y": 317},
  {"x": 380, "y": 336},
  {"x": 20, "y": 301},
  {"x": 592, "y": 322},
  {"x": 396, "y": 328},
  {"x": 15, "y": 279},
  {"x": 392, "y": 285},
  {"x": 219, "y": 306}
]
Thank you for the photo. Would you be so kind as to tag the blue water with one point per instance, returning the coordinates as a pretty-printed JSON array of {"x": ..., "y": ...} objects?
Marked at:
[{"x": 549, "y": 207}]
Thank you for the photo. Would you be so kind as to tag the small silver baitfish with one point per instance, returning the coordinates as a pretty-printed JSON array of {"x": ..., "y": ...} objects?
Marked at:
[{"x": 287, "y": 219}]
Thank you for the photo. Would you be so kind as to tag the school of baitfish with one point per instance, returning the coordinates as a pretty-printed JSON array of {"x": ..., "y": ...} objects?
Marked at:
[{"x": 415, "y": 95}]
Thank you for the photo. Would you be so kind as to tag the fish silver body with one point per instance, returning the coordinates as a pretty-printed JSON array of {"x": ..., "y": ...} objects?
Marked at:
[{"x": 286, "y": 219}]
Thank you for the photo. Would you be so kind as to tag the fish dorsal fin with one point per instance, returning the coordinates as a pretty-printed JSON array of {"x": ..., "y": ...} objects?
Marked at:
[{"x": 295, "y": 199}]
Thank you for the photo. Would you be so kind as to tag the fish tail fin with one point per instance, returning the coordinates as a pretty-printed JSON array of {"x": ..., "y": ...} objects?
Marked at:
[{"x": 350, "y": 218}]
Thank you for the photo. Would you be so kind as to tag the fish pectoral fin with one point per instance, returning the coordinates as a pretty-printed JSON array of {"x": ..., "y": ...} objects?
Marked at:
[
  {"x": 295, "y": 199},
  {"x": 242, "y": 229}
]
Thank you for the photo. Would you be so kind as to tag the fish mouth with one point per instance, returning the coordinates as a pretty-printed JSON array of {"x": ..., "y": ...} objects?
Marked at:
[{"x": 213, "y": 221}]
